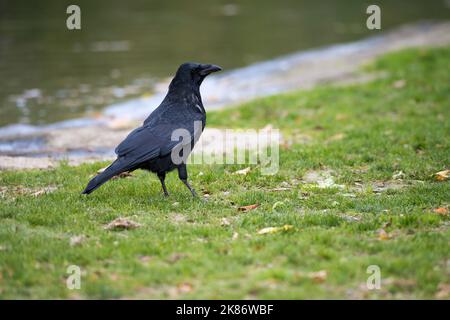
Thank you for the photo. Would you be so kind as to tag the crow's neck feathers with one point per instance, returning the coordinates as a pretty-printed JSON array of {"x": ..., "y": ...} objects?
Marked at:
[{"x": 185, "y": 92}]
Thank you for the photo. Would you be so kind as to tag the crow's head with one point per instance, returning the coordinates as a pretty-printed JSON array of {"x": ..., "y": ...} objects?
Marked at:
[{"x": 195, "y": 72}]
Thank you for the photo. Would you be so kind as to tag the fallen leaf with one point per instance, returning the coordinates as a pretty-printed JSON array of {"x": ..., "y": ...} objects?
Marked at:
[
  {"x": 383, "y": 235},
  {"x": 224, "y": 222},
  {"x": 121, "y": 224},
  {"x": 243, "y": 171},
  {"x": 442, "y": 211},
  {"x": 248, "y": 208},
  {"x": 318, "y": 276},
  {"x": 398, "y": 175},
  {"x": 206, "y": 193},
  {"x": 271, "y": 230},
  {"x": 184, "y": 287},
  {"x": 442, "y": 175},
  {"x": 77, "y": 240},
  {"x": 175, "y": 291},
  {"x": 399, "y": 84}
]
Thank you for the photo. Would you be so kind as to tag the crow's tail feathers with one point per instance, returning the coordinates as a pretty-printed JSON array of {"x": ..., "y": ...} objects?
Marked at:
[{"x": 114, "y": 169}]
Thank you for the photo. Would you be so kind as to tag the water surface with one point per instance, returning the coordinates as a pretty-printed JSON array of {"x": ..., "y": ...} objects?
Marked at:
[{"x": 49, "y": 73}]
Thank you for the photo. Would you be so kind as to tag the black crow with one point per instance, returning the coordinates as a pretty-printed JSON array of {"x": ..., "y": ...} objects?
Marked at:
[{"x": 150, "y": 146}]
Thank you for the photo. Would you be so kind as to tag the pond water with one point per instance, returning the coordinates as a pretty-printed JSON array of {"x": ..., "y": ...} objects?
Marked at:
[{"x": 49, "y": 73}]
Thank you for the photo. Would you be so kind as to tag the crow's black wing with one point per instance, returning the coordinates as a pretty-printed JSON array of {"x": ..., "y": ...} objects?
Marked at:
[
  {"x": 141, "y": 145},
  {"x": 130, "y": 142},
  {"x": 144, "y": 143}
]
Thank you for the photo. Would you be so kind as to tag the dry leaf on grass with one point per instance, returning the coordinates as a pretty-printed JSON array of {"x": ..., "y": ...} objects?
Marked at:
[
  {"x": 77, "y": 240},
  {"x": 442, "y": 211},
  {"x": 398, "y": 84},
  {"x": 184, "y": 287},
  {"x": 271, "y": 230},
  {"x": 248, "y": 208},
  {"x": 206, "y": 194},
  {"x": 175, "y": 291},
  {"x": 398, "y": 175},
  {"x": 243, "y": 171},
  {"x": 383, "y": 235},
  {"x": 442, "y": 175},
  {"x": 121, "y": 224},
  {"x": 318, "y": 276},
  {"x": 224, "y": 222}
]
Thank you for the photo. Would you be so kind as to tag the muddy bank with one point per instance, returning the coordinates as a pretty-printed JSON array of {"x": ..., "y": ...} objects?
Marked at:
[{"x": 87, "y": 139}]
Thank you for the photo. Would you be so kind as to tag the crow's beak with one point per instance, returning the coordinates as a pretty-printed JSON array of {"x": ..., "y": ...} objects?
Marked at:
[{"x": 209, "y": 68}]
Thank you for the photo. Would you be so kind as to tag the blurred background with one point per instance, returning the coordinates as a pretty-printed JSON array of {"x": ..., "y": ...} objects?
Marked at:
[{"x": 49, "y": 73}]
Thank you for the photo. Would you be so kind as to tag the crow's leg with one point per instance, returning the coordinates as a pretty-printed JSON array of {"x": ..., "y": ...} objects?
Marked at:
[
  {"x": 162, "y": 177},
  {"x": 182, "y": 174}
]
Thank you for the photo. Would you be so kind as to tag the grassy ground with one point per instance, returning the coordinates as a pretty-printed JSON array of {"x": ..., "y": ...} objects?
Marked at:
[{"x": 361, "y": 136}]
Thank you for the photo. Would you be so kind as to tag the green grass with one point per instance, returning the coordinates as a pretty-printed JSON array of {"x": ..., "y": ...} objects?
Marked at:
[{"x": 365, "y": 133}]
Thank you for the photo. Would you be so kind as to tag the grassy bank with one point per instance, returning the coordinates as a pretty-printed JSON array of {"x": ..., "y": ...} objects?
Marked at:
[{"x": 376, "y": 146}]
